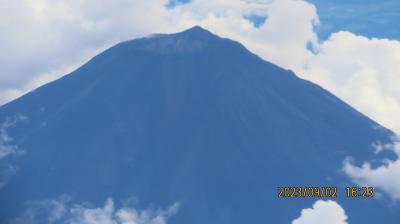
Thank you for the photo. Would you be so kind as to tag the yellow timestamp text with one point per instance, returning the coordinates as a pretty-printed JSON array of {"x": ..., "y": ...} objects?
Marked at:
[
  {"x": 307, "y": 192},
  {"x": 360, "y": 192}
]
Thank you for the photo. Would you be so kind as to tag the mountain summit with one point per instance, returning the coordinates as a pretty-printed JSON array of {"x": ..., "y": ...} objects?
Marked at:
[{"x": 190, "y": 118}]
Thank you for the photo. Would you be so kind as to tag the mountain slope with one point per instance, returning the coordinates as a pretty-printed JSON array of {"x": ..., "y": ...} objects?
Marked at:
[{"x": 188, "y": 117}]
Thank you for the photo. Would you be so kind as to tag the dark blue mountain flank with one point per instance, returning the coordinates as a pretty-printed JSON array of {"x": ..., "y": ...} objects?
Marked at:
[{"x": 190, "y": 118}]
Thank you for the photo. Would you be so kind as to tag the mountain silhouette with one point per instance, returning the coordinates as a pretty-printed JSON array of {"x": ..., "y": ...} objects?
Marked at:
[{"x": 191, "y": 118}]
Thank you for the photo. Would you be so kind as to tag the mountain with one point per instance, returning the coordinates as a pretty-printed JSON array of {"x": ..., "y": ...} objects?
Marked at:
[{"x": 191, "y": 118}]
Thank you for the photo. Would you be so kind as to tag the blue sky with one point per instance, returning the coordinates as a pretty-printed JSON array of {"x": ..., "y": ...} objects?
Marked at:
[{"x": 371, "y": 18}]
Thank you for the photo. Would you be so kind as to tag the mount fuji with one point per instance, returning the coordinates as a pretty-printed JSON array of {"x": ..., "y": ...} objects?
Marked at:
[{"x": 188, "y": 118}]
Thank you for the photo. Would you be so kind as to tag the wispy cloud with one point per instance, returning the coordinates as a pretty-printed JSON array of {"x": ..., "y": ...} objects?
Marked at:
[
  {"x": 8, "y": 149},
  {"x": 385, "y": 177},
  {"x": 63, "y": 210},
  {"x": 6, "y": 171},
  {"x": 6, "y": 146}
]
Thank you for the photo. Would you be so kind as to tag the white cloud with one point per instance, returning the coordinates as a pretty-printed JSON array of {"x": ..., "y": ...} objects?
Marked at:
[
  {"x": 385, "y": 177},
  {"x": 364, "y": 72},
  {"x": 327, "y": 212},
  {"x": 62, "y": 210}
]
